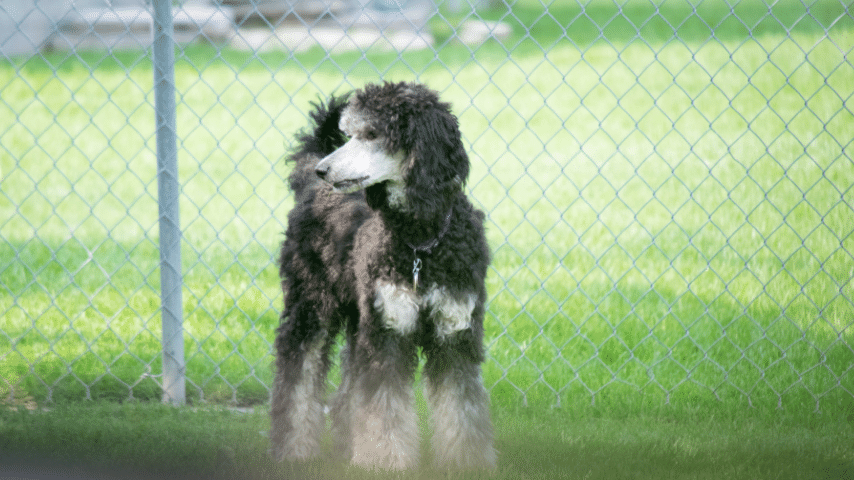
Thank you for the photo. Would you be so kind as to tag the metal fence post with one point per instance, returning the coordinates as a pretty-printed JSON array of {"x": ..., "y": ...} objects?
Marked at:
[{"x": 168, "y": 190}]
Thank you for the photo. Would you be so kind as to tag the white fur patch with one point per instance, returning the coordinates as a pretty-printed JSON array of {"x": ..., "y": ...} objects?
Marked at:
[
  {"x": 398, "y": 305},
  {"x": 449, "y": 314},
  {"x": 396, "y": 194}
]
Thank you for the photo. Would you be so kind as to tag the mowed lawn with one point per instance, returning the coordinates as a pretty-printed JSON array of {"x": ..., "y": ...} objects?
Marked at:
[
  {"x": 670, "y": 213},
  {"x": 143, "y": 440}
]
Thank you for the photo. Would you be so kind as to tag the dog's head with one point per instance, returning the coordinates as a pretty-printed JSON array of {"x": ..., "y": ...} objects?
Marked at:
[{"x": 404, "y": 147}]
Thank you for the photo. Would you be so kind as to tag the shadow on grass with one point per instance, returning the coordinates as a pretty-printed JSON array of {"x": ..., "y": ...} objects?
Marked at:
[{"x": 100, "y": 440}]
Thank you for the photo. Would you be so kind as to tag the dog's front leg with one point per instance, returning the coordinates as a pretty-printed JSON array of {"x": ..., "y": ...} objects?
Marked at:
[
  {"x": 459, "y": 403},
  {"x": 384, "y": 426}
]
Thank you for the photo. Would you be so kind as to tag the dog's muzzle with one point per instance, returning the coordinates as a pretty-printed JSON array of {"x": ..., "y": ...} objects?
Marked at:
[{"x": 346, "y": 185}]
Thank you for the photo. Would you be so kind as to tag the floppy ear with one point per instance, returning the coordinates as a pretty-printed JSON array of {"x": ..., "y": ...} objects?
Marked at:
[{"x": 438, "y": 164}]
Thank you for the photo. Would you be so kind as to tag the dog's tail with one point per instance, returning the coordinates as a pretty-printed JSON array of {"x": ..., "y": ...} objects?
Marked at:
[{"x": 321, "y": 138}]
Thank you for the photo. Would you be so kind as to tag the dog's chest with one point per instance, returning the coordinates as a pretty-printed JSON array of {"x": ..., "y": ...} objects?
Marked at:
[{"x": 401, "y": 308}]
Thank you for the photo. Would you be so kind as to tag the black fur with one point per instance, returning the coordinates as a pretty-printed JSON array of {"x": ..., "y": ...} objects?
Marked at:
[{"x": 338, "y": 246}]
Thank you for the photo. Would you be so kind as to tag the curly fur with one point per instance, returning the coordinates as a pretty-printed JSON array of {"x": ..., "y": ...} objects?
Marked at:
[{"x": 379, "y": 173}]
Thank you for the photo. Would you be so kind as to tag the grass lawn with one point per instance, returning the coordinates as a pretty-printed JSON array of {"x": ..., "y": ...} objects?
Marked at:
[
  {"x": 669, "y": 198},
  {"x": 152, "y": 441}
]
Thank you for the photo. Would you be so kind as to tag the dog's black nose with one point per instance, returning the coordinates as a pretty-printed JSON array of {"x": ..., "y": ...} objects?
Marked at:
[{"x": 321, "y": 171}]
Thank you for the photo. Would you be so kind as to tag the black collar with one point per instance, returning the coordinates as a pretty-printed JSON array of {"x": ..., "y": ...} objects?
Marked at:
[
  {"x": 430, "y": 244},
  {"x": 426, "y": 247}
]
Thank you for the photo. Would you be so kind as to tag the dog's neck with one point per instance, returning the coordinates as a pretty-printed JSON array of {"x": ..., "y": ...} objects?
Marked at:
[{"x": 418, "y": 233}]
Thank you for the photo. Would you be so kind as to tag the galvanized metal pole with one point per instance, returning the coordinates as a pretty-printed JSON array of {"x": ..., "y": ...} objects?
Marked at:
[{"x": 168, "y": 190}]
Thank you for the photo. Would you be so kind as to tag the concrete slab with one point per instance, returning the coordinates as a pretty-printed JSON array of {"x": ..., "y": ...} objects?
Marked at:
[
  {"x": 334, "y": 25},
  {"x": 275, "y": 11},
  {"x": 333, "y": 39}
]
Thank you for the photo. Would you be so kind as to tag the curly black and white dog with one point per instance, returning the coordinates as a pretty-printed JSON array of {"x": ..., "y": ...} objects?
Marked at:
[{"x": 383, "y": 245}]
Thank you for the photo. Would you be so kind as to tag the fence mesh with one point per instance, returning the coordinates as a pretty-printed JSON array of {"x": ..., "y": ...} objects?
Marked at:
[{"x": 668, "y": 188}]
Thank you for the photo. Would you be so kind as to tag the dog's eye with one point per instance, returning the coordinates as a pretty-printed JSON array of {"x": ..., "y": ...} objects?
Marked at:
[{"x": 371, "y": 135}]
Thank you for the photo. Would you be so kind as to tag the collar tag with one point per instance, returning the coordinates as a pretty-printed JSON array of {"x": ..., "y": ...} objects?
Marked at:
[{"x": 416, "y": 269}]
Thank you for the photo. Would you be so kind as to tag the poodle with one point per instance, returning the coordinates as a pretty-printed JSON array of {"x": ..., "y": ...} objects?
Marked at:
[{"x": 384, "y": 247}]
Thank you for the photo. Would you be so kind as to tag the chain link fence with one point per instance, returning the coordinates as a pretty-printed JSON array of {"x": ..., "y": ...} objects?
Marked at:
[{"x": 668, "y": 188}]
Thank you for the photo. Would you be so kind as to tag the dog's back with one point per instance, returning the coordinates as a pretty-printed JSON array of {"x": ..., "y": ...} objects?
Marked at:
[{"x": 321, "y": 227}]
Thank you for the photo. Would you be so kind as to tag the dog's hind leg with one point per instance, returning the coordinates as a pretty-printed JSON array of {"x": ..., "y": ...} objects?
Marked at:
[
  {"x": 297, "y": 416},
  {"x": 462, "y": 429},
  {"x": 340, "y": 410}
]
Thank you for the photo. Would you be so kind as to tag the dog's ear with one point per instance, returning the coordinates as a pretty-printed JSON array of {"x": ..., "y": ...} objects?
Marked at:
[{"x": 437, "y": 165}]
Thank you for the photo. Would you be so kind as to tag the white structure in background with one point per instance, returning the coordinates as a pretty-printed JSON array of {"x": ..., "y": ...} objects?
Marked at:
[
  {"x": 122, "y": 24},
  {"x": 377, "y": 14},
  {"x": 335, "y": 25},
  {"x": 29, "y": 26}
]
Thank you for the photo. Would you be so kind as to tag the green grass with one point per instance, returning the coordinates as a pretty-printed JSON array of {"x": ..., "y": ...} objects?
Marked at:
[
  {"x": 670, "y": 212},
  {"x": 154, "y": 441}
]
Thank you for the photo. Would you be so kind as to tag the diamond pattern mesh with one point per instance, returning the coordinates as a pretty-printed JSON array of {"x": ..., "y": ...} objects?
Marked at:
[{"x": 668, "y": 190}]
